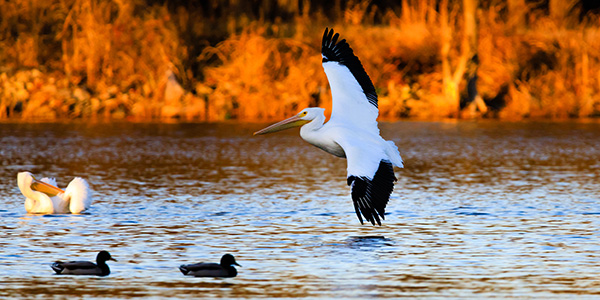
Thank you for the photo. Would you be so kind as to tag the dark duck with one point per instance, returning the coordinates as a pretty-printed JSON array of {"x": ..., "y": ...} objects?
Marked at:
[
  {"x": 224, "y": 269},
  {"x": 100, "y": 268}
]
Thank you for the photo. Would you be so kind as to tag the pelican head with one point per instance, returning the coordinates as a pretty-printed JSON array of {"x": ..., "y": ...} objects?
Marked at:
[
  {"x": 303, "y": 117},
  {"x": 28, "y": 184}
]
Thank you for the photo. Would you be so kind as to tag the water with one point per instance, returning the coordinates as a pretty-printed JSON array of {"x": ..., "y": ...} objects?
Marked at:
[{"x": 482, "y": 209}]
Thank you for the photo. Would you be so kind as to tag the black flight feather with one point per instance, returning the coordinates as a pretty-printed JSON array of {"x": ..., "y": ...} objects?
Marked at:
[
  {"x": 340, "y": 52},
  {"x": 370, "y": 197}
]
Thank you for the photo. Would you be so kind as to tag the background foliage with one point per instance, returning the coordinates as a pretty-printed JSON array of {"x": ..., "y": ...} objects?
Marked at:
[{"x": 260, "y": 60}]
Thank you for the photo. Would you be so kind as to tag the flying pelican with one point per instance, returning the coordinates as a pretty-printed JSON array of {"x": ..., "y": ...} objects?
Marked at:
[
  {"x": 352, "y": 130},
  {"x": 44, "y": 197}
]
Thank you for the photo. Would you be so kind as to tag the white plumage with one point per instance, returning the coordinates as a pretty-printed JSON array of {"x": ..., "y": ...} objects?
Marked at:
[
  {"x": 44, "y": 197},
  {"x": 349, "y": 101},
  {"x": 352, "y": 130}
]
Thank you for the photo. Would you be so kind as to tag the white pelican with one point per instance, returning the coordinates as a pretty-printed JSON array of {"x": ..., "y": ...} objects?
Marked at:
[
  {"x": 352, "y": 130},
  {"x": 44, "y": 197}
]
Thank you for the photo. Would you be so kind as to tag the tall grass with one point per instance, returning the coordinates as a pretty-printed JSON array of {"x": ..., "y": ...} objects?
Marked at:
[{"x": 200, "y": 61}]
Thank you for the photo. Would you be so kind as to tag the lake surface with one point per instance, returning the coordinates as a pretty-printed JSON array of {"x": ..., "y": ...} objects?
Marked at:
[{"x": 482, "y": 209}]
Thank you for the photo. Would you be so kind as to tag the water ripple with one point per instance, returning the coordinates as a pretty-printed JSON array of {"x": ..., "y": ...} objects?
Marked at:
[{"x": 481, "y": 210}]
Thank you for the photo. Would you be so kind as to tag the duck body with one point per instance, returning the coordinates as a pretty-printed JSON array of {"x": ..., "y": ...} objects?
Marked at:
[
  {"x": 223, "y": 269},
  {"x": 100, "y": 268}
]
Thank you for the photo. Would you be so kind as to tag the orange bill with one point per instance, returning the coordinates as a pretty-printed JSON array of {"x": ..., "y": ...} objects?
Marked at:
[
  {"x": 292, "y": 122},
  {"x": 45, "y": 188}
]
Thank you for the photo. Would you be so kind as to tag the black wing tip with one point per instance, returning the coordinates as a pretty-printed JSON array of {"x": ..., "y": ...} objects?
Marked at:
[
  {"x": 362, "y": 200},
  {"x": 327, "y": 37},
  {"x": 357, "y": 210},
  {"x": 341, "y": 52},
  {"x": 335, "y": 50},
  {"x": 370, "y": 197}
]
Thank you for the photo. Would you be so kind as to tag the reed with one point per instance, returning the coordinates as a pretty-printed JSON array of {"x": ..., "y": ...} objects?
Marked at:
[{"x": 151, "y": 60}]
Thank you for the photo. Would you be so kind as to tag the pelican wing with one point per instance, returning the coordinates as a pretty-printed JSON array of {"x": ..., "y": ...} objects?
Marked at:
[
  {"x": 353, "y": 93},
  {"x": 371, "y": 178},
  {"x": 60, "y": 205},
  {"x": 50, "y": 181},
  {"x": 78, "y": 195}
]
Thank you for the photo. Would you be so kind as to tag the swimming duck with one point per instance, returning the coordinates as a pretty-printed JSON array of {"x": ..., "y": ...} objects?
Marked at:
[
  {"x": 100, "y": 268},
  {"x": 224, "y": 269}
]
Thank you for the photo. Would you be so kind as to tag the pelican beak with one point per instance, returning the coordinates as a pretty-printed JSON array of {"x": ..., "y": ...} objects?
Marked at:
[
  {"x": 45, "y": 188},
  {"x": 292, "y": 122}
]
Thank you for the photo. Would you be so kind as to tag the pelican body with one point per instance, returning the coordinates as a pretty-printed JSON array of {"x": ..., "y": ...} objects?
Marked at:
[
  {"x": 100, "y": 268},
  {"x": 224, "y": 269},
  {"x": 44, "y": 197},
  {"x": 352, "y": 130}
]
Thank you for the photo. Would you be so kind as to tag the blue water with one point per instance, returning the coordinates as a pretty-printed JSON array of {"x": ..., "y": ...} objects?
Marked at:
[{"x": 482, "y": 209}]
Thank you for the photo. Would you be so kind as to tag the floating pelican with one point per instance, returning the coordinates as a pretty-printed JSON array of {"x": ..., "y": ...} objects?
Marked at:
[
  {"x": 223, "y": 269},
  {"x": 100, "y": 268},
  {"x": 352, "y": 130},
  {"x": 44, "y": 197}
]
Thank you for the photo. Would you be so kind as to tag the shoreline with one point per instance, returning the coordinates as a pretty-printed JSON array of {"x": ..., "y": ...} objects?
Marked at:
[{"x": 42, "y": 98}]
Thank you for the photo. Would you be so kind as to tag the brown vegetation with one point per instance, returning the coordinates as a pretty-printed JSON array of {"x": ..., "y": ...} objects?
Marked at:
[{"x": 149, "y": 60}]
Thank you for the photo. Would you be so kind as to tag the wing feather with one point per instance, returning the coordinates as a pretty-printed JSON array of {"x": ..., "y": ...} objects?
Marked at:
[
  {"x": 371, "y": 178},
  {"x": 73, "y": 265},
  {"x": 354, "y": 114},
  {"x": 59, "y": 204},
  {"x": 354, "y": 96},
  {"x": 203, "y": 266},
  {"x": 370, "y": 196},
  {"x": 79, "y": 195},
  {"x": 50, "y": 181}
]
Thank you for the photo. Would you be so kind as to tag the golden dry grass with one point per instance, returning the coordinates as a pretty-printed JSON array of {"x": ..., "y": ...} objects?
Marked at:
[{"x": 93, "y": 59}]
